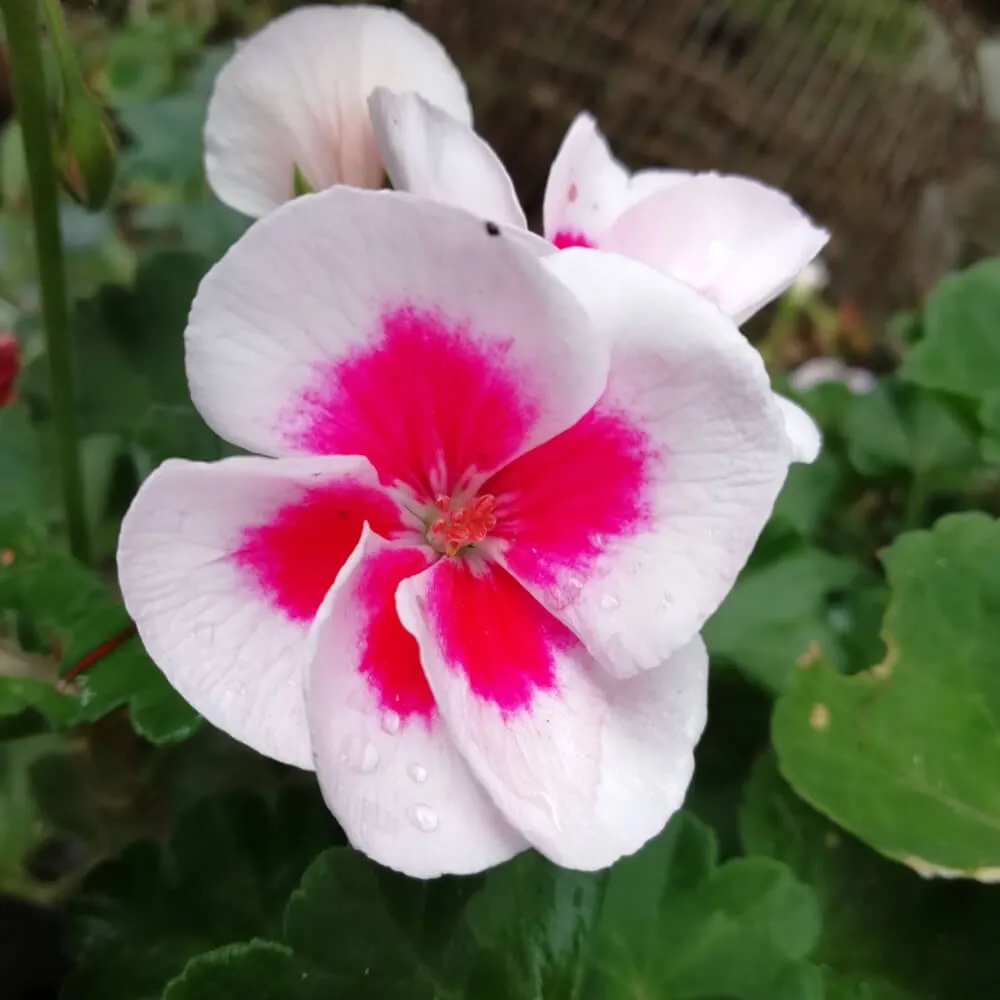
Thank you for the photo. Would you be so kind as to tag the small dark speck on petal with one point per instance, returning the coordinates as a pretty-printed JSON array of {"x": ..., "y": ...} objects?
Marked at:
[{"x": 492, "y": 228}]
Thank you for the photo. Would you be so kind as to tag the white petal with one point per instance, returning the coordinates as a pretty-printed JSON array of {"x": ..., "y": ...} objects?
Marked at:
[
  {"x": 733, "y": 239},
  {"x": 587, "y": 767},
  {"x": 588, "y": 189},
  {"x": 385, "y": 760},
  {"x": 429, "y": 153},
  {"x": 802, "y": 431},
  {"x": 632, "y": 526},
  {"x": 295, "y": 96},
  {"x": 379, "y": 324},
  {"x": 223, "y": 566}
]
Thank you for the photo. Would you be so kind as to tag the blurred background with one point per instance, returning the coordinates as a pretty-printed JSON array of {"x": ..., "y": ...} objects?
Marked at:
[{"x": 879, "y": 116}]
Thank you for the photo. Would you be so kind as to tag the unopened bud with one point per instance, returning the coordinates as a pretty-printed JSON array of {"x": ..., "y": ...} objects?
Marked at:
[
  {"x": 10, "y": 365},
  {"x": 88, "y": 149}
]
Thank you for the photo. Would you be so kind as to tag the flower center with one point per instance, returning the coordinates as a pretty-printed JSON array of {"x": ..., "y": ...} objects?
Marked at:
[{"x": 462, "y": 525}]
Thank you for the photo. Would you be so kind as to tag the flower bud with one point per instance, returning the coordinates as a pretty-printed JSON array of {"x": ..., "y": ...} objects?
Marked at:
[
  {"x": 87, "y": 149},
  {"x": 10, "y": 365}
]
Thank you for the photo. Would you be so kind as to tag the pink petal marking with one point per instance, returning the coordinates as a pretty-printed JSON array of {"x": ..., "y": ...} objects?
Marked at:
[
  {"x": 559, "y": 504},
  {"x": 572, "y": 238},
  {"x": 492, "y": 630},
  {"x": 428, "y": 405},
  {"x": 390, "y": 659},
  {"x": 294, "y": 557}
]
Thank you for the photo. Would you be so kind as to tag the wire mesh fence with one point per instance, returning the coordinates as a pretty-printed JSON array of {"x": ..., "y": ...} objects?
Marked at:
[{"x": 809, "y": 95}]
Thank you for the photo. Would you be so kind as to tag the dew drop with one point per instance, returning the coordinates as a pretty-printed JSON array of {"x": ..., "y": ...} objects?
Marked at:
[
  {"x": 390, "y": 722},
  {"x": 424, "y": 818},
  {"x": 609, "y": 602},
  {"x": 360, "y": 755},
  {"x": 204, "y": 634},
  {"x": 418, "y": 773}
]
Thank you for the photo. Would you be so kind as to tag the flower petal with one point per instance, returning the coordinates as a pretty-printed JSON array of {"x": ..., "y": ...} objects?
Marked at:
[
  {"x": 429, "y": 153},
  {"x": 632, "y": 526},
  {"x": 385, "y": 760},
  {"x": 295, "y": 96},
  {"x": 803, "y": 433},
  {"x": 588, "y": 188},
  {"x": 379, "y": 324},
  {"x": 223, "y": 566},
  {"x": 737, "y": 241},
  {"x": 587, "y": 767}
]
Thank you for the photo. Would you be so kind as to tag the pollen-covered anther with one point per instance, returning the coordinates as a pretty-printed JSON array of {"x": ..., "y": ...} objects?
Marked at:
[{"x": 464, "y": 525}]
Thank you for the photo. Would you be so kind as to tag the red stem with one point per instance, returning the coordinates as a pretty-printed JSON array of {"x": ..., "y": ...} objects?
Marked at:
[{"x": 108, "y": 646}]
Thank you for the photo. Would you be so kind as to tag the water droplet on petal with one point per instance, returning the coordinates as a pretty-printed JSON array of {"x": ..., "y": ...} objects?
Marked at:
[
  {"x": 204, "y": 634},
  {"x": 390, "y": 722},
  {"x": 418, "y": 773},
  {"x": 360, "y": 755},
  {"x": 424, "y": 818},
  {"x": 609, "y": 602}
]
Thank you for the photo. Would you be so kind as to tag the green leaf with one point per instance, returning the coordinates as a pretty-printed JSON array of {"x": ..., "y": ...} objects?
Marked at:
[
  {"x": 223, "y": 877},
  {"x": 341, "y": 899},
  {"x": 124, "y": 676},
  {"x": 258, "y": 970},
  {"x": 677, "y": 924},
  {"x": 538, "y": 919},
  {"x": 22, "y": 486},
  {"x": 134, "y": 341},
  {"x": 960, "y": 350},
  {"x": 900, "y": 428},
  {"x": 20, "y": 693},
  {"x": 808, "y": 494},
  {"x": 887, "y": 933},
  {"x": 837, "y": 986},
  {"x": 777, "y": 613},
  {"x": 989, "y": 417},
  {"x": 906, "y": 755},
  {"x": 22, "y": 828},
  {"x": 179, "y": 432},
  {"x": 68, "y": 605}
]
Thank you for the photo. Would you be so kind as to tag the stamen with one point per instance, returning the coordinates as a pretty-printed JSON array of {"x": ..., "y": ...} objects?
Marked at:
[{"x": 469, "y": 524}]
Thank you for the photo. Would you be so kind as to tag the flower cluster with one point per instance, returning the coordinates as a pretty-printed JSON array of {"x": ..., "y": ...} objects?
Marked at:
[{"x": 498, "y": 481}]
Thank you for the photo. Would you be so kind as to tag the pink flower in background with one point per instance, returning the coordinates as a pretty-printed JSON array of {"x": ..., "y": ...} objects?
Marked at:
[
  {"x": 294, "y": 98},
  {"x": 10, "y": 366},
  {"x": 502, "y": 494},
  {"x": 735, "y": 240}
]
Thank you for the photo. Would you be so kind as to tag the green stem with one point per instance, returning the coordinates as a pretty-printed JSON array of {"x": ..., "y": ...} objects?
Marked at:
[{"x": 21, "y": 18}]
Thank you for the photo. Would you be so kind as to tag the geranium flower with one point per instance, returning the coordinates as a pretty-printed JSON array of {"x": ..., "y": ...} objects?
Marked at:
[
  {"x": 289, "y": 110},
  {"x": 501, "y": 496},
  {"x": 737, "y": 241}
]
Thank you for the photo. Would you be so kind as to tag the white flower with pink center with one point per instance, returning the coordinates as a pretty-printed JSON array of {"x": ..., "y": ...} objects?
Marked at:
[
  {"x": 737, "y": 241},
  {"x": 502, "y": 494}
]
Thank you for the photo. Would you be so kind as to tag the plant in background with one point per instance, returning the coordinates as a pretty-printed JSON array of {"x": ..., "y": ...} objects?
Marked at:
[{"x": 510, "y": 496}]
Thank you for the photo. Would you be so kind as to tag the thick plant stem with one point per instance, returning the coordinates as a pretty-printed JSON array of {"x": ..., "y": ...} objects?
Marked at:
[{"x": 21, "y": 18}]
